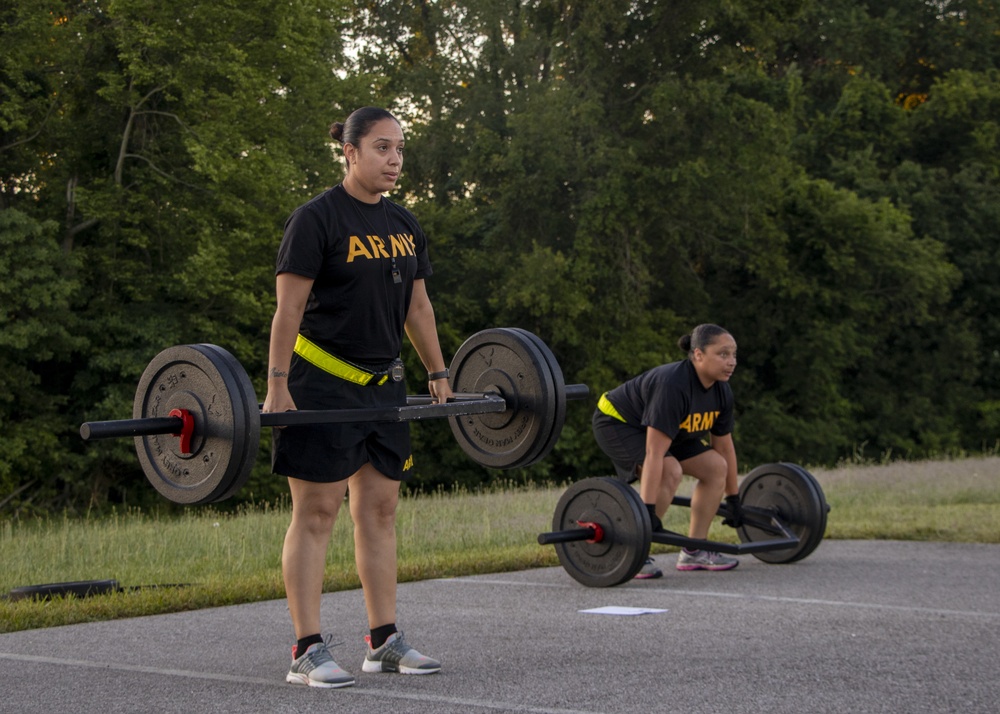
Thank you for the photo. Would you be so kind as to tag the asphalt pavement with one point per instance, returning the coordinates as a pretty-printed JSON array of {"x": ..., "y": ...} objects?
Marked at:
[{"x": 859, "y": 626}]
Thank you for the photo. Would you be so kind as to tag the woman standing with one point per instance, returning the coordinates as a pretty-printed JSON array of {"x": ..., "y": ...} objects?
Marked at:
[
  {"x": 350, "y": 280},
  {"x": 654, "y": 427}
]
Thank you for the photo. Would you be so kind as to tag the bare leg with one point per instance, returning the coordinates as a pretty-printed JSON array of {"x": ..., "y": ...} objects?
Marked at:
[
  {"x": 710, "y": 469},
  {"x": 671, "y": 480},
  {"x": 303, "y": 558},
  {"x": 373, "y": 500}
]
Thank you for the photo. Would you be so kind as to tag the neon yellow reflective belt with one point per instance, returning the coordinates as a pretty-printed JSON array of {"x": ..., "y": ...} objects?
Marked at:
[
  {"x": 316, "y": 355},
  {"x": 608, "y": 408}
]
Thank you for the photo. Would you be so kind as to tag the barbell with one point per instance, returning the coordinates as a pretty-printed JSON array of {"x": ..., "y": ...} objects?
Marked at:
[
  {"x": 602, "y": 533},
  {"x": 196, "y": 420}
]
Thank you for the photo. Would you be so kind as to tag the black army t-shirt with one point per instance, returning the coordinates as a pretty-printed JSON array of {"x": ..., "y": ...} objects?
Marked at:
[
  {"x": 363, "y": 258},
  {"x": 672, "y": 399}
]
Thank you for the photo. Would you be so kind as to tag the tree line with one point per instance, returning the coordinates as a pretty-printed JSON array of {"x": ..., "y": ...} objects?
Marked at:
[{"x": 821, "y": 178}]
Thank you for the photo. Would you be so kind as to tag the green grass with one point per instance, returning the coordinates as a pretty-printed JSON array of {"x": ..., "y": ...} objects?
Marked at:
[
  {"x": 223, "y": 559},
  {"x": 929, "y": 500}
]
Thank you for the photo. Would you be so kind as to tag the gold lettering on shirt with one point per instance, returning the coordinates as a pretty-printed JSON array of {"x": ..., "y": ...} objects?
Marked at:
[
  {"x": 357, "y": 248},
  {"x": 378, "y": 246},
  {"x": 699, "y": 422},
  {"x": 399, "y": 245}
]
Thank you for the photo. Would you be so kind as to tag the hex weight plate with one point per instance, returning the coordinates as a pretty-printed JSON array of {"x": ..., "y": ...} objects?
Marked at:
[
  {"x": 618, "y": 510},
  {"x": 796, "y": 498},
  {"x": 559, "y": 390},
  {"x": 210, "y": 383},
  {"x": 509, "y": 363}
]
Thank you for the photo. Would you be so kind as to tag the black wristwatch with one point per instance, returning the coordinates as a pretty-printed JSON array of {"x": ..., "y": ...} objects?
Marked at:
[{"x": 443, "y": 374}]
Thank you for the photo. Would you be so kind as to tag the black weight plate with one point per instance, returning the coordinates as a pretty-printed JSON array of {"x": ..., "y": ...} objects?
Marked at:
[
  {"x": 819, "y": 530},
  {"x": 251, "y": 412},
  {"x": 559, "y": 390},
  {"x": 618, "y": 510},
  {"x": 210, "y": 384},
  {"x": 78, "y": 588},
  {"x": 795, "y": 496},
  {"x": 508, "y": 363},
  {"x": 546, "y": 396}
]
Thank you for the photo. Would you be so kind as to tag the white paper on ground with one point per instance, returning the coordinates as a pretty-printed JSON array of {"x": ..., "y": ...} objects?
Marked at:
[{"x": 618, "y": 610}]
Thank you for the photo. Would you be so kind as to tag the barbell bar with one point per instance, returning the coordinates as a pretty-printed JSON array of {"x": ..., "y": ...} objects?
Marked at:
[
  {"x": 602, "y": 532},
  {"x": 418, "y": 407},
  {"x": 507, "y": 412}
]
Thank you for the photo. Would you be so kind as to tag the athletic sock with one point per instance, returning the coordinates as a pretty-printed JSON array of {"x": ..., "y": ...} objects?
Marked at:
[
  {"x": 305, "y": 643},
  {"x": 380, "y": 634},
  {"x": 653, "y": 518}
]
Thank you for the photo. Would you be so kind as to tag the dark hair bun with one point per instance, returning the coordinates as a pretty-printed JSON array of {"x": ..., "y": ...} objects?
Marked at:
[
  {"x": 685, "y": 343},
  {"x": 337, "y": 131}
]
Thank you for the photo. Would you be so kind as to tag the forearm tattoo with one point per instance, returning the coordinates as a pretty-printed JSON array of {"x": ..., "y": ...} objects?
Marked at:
[{"x": 276, "y": 373}]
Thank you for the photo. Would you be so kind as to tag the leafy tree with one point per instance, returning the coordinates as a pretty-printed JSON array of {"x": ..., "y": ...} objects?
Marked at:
[
  {"x": 168, "y": 142},
  {"x": 36, "y": 335},
  {"x": 935, "y": 160},
  {"x": 955, "y": 194},
  {"x": 857, "y": 282}
]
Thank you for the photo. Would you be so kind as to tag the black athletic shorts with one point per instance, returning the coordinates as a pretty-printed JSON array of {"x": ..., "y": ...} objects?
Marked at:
[
  {"x": 626, "y": 445},
  {"x": 325, "y": 453}
]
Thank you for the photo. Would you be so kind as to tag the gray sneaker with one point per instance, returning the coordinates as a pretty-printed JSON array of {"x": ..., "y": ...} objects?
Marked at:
[
  {"x": 649, "y": 571},
  {"x": 397, "y": 656},
  {"x": 705, "y": 560},
  {"x": 317, "y": 669}
]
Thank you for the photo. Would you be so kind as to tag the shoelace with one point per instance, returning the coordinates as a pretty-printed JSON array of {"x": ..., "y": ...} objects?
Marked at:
[
  {"x": 394, "y": 651},
  {"x": 320, "y": 655}
]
